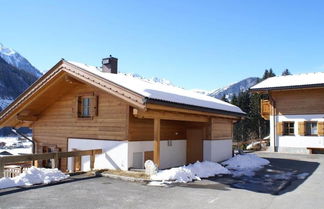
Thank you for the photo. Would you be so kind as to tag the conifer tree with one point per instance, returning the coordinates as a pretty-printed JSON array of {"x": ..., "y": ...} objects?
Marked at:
[{"x": 286, "y": 72}]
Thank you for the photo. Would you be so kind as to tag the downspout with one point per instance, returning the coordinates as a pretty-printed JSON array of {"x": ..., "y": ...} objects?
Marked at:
[
  {"x": 274, "y": 123},
  {"x": 24, "y": 136}
]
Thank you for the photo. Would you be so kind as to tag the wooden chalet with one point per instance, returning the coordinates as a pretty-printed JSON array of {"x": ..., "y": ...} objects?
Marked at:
[
  {"x": 78, "y": 107},
  {"x": 294, "y": 106}
]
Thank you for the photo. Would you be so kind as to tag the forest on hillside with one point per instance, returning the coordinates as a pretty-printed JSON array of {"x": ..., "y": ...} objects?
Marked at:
[{"x": 253, "y": 126}]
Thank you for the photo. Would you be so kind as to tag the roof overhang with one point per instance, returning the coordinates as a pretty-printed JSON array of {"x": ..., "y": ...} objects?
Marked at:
[
  {"x": 18, "y": 110},
  {"x": 282, "y": 88},
  {"x": 195, "y": 108}
]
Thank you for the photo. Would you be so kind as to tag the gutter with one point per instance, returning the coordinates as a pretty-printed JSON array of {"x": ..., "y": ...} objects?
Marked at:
[{"x": 24, "y": 136}]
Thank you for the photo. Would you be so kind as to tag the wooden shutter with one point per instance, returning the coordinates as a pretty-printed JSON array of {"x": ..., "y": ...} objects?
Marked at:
[
  {"x": 320, "y": 128},
  {"x": 76, "y": 109},
  {"x": 280, "y": 128},
  {"x": 94, "y": 105},
  {"x": 301, "y": 128}
]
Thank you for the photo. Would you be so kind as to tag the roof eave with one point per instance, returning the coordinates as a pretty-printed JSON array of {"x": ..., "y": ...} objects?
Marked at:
[
  {"x": 7, "y": 110},
  {"x": 193, "y": 107},
  {"x": 321, "y": 85}
]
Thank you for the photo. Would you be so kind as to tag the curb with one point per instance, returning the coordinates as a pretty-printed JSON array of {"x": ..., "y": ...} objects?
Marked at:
[{"x": 124, "y": 178}]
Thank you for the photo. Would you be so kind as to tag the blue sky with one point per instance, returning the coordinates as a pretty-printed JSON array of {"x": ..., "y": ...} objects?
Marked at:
[{"x": 195, "y": 44}]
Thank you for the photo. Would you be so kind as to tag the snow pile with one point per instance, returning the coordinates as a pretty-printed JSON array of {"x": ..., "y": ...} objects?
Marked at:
[
  {"x": 245, "y": 164},
  {"x": 33, "y": 176},
  {"x": 191, "y": 172},
  {"x": 252, "y": 145}
]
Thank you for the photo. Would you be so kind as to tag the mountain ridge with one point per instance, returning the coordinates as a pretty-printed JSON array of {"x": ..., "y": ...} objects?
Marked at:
[
  {"x": 13, "y": 58},
  {"x": 234, "y": 88}
]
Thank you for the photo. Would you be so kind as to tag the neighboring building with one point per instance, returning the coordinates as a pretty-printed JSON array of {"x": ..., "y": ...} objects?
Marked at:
[
  {"x": 295, "y": 108},
  {"x": 77, "y": 106}
]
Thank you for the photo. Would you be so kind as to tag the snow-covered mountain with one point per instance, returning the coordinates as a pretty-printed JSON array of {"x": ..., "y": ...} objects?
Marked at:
[
  {"x": 234, "y": 89},
  {"x": 152, "y": 80},
  {"x": 201, "y": 91},
  {"x": 13, "y": 58},
  {"x": 13, "y": 81}
]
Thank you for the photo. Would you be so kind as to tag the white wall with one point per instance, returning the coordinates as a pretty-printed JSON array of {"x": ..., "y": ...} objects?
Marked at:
[
  {"x": 114, "y": 153},
  {"x": 138, "y": 146},
  {"x": 175, "y": 155},
  {"x": 217, "y": 150},
  {"x": 296, "y": 143},
  {"x": 170, "y": 156},
  {"x": 119, "y": 154}
]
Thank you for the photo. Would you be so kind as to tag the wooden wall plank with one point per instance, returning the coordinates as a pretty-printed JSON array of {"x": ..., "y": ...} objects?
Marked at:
[{"x": 299, "y": 102}]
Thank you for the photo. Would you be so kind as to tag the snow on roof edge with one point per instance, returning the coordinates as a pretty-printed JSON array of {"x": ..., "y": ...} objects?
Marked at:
[
  {"x": 303, "y": 80},
  {"x": 223, "y": 106}
]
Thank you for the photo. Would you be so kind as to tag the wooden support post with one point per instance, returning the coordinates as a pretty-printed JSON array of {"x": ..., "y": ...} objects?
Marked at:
[
  {"x": 1, "y": 168},
  {"x": 92, "y": 160},
  {"x": 157, "y": 136},
  {"x": 56, "y": 160}
]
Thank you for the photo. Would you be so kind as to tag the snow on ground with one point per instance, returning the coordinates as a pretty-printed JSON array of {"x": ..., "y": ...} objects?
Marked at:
[
  {"x": 245, "y": 164},
  {"x": 190, "y": 172},
  {"x": 12, "y": 143},
  {"x": 33, "y": 176},
  {"x": 239, "y": 165},
  {"x": 252, "y": 145}
]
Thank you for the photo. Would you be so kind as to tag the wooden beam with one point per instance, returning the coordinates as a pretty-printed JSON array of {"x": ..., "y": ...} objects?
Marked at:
[
  {"x": 27, "y": 117},
  {"x": 72, "y": 80},
  {"x": 166, "y": 115},
  {"x": 183, "y": 110},
  {"x": 157, "y": 137}
]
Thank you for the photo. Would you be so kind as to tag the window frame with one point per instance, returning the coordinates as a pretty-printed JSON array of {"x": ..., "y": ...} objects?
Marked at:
[
  {"x": 307, "y": 133},
  {"x": 82, "y": 106},
  {"x": 92, "y": 106},
  {"x": 286, "y": 130}
]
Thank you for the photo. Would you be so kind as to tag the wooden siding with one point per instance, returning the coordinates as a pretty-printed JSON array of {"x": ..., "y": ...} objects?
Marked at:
[
  {"x": 299, "y": 102},
  {"x": 221, "y": 128},
  {"x": 57, "y": 123},
  {"x": 143, "y": 129}
]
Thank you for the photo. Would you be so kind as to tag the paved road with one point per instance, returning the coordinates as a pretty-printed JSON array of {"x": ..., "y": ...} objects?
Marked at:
[{"x": 100, "y": 192}]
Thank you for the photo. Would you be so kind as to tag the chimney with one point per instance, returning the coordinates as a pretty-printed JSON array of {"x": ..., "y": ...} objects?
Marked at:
[{"x": 109, "y": 65}]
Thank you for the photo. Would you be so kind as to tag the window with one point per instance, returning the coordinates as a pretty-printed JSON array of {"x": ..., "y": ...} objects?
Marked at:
[
  {"x": 289, "y": 129},
  {"x": 311, "y": 128},
  {"x": 86, "y": 106}
]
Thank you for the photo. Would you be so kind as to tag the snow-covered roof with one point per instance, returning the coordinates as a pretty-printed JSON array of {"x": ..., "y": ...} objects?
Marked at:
[
  {"x": 161, "y": 92},
  {"x": 291, "y": 81}
]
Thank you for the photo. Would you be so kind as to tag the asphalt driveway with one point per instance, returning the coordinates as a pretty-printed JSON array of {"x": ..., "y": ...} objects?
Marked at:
[{"x": 221, "y": 192}]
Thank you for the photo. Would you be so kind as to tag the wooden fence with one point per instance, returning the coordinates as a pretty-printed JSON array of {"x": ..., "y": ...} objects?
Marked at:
[{"x": 54, "y": 156}]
